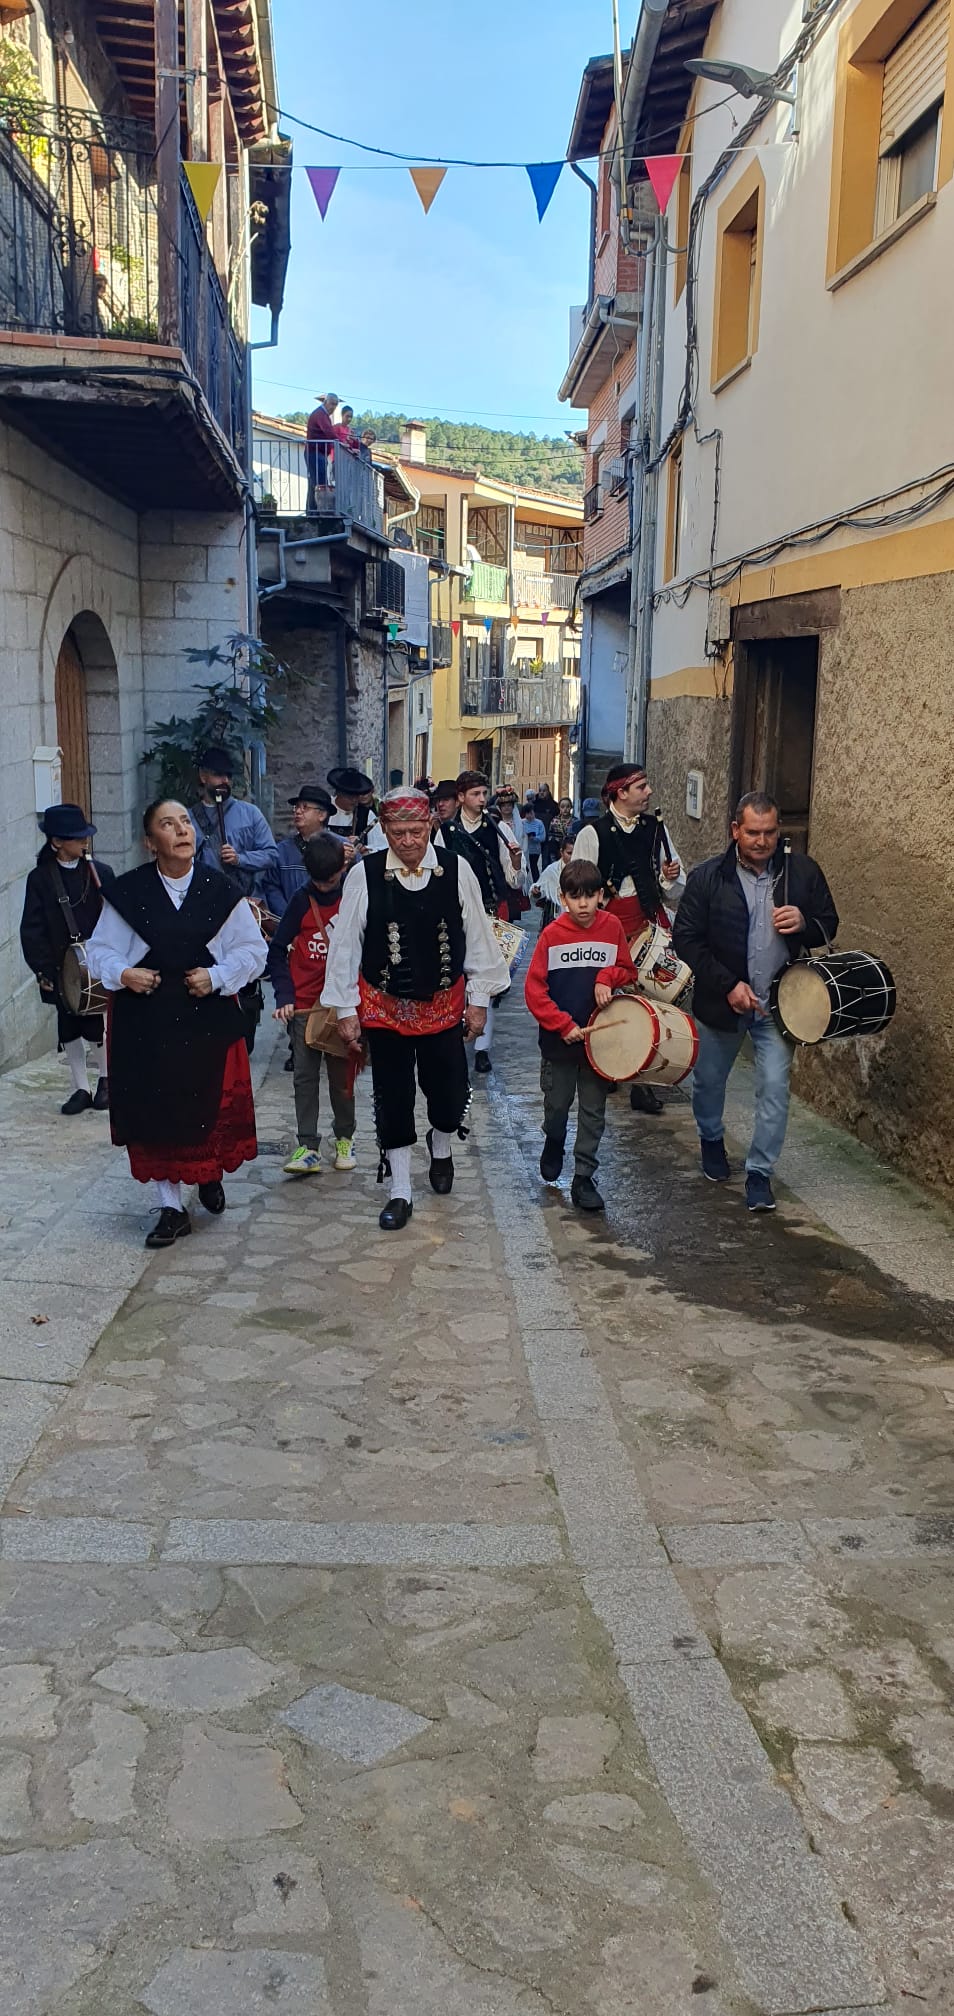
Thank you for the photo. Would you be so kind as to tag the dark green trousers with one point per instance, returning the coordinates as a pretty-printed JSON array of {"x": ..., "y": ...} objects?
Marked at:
[{"x": 563, "y": 1079}]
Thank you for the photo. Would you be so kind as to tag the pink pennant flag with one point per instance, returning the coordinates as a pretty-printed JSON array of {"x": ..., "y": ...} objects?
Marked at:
[
  {"x": 663, "y": 171},
  {"x": 323, "y": 186}
]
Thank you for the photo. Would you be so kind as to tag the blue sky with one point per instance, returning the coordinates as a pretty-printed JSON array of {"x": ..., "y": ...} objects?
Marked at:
[{"x": 464, "y": 312}]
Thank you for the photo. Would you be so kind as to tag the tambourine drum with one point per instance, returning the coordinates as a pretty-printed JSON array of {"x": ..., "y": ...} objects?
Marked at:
[
  {"x": 83, "y": 995},
  {"x": 662, "y": 974},
  {"x": 635, "y": 1038},
  {"x": 839, "y": 994}
]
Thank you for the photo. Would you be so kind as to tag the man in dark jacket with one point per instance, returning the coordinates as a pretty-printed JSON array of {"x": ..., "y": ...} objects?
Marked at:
[{"x": 744, "y": 915}]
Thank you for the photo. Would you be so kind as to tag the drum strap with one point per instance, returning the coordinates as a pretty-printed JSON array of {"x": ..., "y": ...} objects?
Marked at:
[{"x": 59, "y": 887}]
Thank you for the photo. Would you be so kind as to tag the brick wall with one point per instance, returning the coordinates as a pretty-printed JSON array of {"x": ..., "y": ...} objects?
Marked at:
[{"x": 605, "y": 535}]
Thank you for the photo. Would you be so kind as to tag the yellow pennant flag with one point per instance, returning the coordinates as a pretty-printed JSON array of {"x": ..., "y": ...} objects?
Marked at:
[
  {"x": 203, "y": 180},
  {"x": 427, "y": 181}
]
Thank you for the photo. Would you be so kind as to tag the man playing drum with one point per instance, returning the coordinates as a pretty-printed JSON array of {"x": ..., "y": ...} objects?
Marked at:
[
  {"x": 745, "y": 914},
  {"x": 61, "y": 906}
]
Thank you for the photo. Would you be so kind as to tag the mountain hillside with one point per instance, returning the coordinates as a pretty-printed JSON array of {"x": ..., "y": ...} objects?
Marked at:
[{"x": 544, "y": 462}]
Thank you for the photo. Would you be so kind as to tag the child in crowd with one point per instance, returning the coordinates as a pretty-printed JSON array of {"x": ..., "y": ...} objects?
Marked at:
[
  {"x": 578, "y": 961},
  {"x": 547, "y": 884},
  {"x": 296, "y": 968},
  {"x": 534, "y": 834}
]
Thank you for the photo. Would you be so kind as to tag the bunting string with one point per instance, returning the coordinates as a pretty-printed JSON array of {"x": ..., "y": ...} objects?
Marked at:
[{"x": 662, "y": 172}]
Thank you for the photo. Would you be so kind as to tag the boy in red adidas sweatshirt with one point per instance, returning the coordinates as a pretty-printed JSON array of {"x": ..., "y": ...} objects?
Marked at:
[
  {"x": 579, "y": 959},
  {"x": 297, "y": 958}
]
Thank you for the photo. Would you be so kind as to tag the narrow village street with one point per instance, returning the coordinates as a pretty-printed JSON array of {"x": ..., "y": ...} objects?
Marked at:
[{"x": 508, "y": 1617}]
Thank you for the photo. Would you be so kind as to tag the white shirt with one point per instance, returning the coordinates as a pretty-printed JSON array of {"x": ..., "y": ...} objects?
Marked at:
[
  {"x": 586, "y": 847},
  {"x": 513, "y": 875},
  {"x": 239, "y": 951},
  {"x": 484, "y": 964},
  {"x": 341, "y": 824},
  {"x": 548, "y": 883}
]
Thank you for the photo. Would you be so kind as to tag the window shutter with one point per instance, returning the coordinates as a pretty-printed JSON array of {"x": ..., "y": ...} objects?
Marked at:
[{"x": 914, "y": 74}]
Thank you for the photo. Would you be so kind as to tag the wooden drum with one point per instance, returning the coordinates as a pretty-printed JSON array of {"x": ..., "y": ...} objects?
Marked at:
[
  {"x": 662, "y": 974},
  {"x": 83, "y": 995},
  {"x": 635, "y": 1038}
]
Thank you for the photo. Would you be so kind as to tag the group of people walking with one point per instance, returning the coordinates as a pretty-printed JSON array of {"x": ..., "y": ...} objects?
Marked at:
[{"x": 389, "y": 943}]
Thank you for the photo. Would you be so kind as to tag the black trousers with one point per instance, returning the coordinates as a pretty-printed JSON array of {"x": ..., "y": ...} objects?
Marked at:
[{"x": 440, "y": 1067}]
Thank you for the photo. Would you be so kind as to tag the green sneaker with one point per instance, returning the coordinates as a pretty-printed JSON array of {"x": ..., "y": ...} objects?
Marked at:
[
  {"x": 304, "y": 1162},
  {"x": 344, "y": 1154}
]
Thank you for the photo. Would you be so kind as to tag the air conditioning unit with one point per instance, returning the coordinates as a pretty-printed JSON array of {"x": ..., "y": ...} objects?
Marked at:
[{"x": 386, "y": 583}]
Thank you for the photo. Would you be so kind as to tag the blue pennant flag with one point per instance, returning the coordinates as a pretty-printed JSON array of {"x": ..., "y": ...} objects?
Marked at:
[{"x": 544, "y": 176}]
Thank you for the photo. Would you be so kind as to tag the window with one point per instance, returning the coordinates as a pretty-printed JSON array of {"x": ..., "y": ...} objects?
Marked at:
[
  {"x": 893, "y": 147},
  {"x": 738, "y": 276},
  {"x": 911, "y": 101},
  {"x": 431, "y": 529},
  {"x": 674, "y": 513}
]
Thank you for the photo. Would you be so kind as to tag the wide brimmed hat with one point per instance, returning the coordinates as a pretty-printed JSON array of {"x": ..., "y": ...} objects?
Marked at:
[
  {"x": 313, "y": 794},
  {"x": 218, "y": 761},
  {"x": 65, "y": 822},
  {"x": 353, "y": 783}
]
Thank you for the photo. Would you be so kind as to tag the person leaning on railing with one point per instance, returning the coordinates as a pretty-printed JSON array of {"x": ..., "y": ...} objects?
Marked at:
[{"x": 321, "y": 430}]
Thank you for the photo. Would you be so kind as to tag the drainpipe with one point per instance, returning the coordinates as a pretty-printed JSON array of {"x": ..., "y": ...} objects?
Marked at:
[
  {"x": 342, "y": 655},
  {"x": 594, "y": 197},
  {"x": 651, "y": 21}
]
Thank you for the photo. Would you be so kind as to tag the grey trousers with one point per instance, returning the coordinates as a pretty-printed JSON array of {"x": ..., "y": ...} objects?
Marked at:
[
  {"x": 561, "y": 1080},
  {"x": 307, "y": 1083}
]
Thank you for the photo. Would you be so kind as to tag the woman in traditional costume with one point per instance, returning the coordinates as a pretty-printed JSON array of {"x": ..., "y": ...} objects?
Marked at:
[{"x": 174, "y": 945}]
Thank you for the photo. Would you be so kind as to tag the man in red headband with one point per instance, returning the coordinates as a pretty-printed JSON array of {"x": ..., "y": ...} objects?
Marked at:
[
  {"x": 631, "y": 847},
  {"x": 412, "y": 965}
]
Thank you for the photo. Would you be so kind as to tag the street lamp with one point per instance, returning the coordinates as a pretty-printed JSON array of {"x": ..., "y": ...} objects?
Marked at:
[{"x": 742, "y": 78}]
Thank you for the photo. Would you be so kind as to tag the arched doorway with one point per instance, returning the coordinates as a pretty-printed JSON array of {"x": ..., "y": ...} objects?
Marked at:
[{"x": 72, "y": 723}]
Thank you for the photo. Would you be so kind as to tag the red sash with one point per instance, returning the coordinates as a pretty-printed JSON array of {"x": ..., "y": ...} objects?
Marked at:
[{"x": 411, "y": 1018}]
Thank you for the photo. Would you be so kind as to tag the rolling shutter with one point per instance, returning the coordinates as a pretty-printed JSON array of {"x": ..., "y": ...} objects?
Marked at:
[{"x": 914, "y": 74}]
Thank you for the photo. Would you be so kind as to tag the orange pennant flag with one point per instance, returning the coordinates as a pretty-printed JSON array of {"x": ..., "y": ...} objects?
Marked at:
[
  {"x": 427, "y": 181},
  {"x": 203, "y": 180}
]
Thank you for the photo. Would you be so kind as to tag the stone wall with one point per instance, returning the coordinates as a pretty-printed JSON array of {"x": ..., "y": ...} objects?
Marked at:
[
  {"x": 691, "y": 734},
  {"x": 308, "y": 741}
]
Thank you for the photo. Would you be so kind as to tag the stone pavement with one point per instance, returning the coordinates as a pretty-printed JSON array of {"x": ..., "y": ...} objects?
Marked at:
[{"x": 513, "y": 1617}]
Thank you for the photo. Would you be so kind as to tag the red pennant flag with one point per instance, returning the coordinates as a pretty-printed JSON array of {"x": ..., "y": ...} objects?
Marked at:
[
  {"x": 663, "y": 171},
  {"x": 323, "y": 186},
  {"x": 455, "y": 624}
]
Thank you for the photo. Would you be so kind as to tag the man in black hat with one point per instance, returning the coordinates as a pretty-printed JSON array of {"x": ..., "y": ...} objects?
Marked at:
[
  {"x": 353, "y": 819},
  {"x": 311, "y": 808},
  {"x": 62, "y": 903},
  {"x": 231, "y": 833}
]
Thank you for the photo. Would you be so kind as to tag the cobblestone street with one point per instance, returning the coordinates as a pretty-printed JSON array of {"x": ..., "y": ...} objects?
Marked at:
[{"x": 510, "y": 1617}]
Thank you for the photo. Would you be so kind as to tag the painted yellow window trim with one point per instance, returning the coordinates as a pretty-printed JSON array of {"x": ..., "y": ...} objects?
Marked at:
[
  {"x": 673, "y": 510},
  {"x": 866, "y": 41},
  {"x": 738, "y": 286}
]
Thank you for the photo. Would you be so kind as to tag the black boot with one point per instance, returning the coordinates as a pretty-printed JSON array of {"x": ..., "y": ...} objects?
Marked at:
[
  {"x": 78, "y": 1102},
  {"x": 212, "y": 1196},
  {"x": 395, "y": 1215},
  {"x": 101, "y": 1096},
  {"x": 482, "y": 1062},
  {"x": 441, "y": 1172},
  {"x": 643, "y": 1099},
  {"x": 584, "y": 1194},
  {"x": 551, "y": 1161},
  {"x": 169, "y": 1226}
]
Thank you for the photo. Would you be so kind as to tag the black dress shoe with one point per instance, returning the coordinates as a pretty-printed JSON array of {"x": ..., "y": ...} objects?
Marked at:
[
  {"x": 643, "y": 1099},
  {"x": 482, "y": 1062},
  {"x": 169, "y": 1226},
  {"x": 551, "y": 1161},
  {"x": 289, "y": 1064},
  {"x": 78, "y": 1102},
  {"x": 584, "y": 1194},
  {"x": 441, "y": 1172},
  {"x": 395, "y": 1215},
  {"x": 212, "y": 1196},
  {"x": 101, "y": 1097}
]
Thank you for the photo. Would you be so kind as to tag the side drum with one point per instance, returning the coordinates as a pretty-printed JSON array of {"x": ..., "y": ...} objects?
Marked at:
[
  {"x": 840, "y": 994},
  {"x": 635, "y": 1038},
  {"x": 662, "y": 974},
  {"x": 83, "y": 995}
]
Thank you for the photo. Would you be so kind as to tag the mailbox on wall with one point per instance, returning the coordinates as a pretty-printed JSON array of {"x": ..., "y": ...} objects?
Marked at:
[{"x": 47, "y": 776}]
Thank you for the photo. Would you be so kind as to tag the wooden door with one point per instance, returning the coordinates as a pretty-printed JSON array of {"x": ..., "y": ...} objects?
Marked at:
[
  {"x": 539, "y": 761},
  {"x": 776, "y": 697},
  {"x": 72, "y": 732}
]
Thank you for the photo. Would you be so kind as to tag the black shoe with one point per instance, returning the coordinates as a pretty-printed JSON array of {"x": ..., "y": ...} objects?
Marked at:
[
  {"x": 758, "y": 1192},
  {"x": 289, "y": 1064},
  {"x": 212, "y": 1196},
  {"x": 101, "y": 1096},
  {"x": 584, "y": 1194},
  {"x": 395, "y": 1215},
  {"x": 715, "y": 1161},
  {"x": 441, "y": 1171},
  {"x": 551, "y": 1161},
  {"x": 78, "y": 1102},
  {"x": 170, "y": 1226},
  {"x": 482, "y": 1062},
  {"x": 643, "y": 1099}
]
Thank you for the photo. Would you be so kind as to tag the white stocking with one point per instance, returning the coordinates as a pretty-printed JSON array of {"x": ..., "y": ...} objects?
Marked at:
[
  {"x": 170, "y": 1196},
  {"x": 400, "y": 1160},
  {"x": 96, "y": 1055},
  {"x": 75, "y": 1054},
  {"x": 484, "y": 1042},
  {"x": 441, "y": 1145}
]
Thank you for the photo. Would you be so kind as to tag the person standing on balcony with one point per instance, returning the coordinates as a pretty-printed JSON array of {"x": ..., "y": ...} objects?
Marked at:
[
  {"x": 321, "y": 436},
  {"x": 473, "y": 835},
  {"x": 345, "y": 430},
  {"x": 62, "y": 903},
  {"x": 368, "y": 440}
]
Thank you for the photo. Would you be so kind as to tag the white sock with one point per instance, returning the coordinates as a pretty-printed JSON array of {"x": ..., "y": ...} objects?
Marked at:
[
  {"x": 400, "y": 1160},
  {"x": 441, "y": 1144},
  {"x": 484, "y": 1042},
  {"x": 96, "y": 1057},
  {"x": 75, "y": 1054},
  {"x": 170, "y": 1196}
]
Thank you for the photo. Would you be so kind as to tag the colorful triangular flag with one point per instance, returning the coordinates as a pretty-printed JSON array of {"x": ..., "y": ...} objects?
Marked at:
[
  {"x": 663, "y": 172},
  {"x": 203, "y": 180},
  {"x": 455, "y": 625},
  {"x": 427, "y": 181},
  {"x": 544, "y": 176},
  {"x": 323, "y": 186},
  {"x": 488, "y": 624}
]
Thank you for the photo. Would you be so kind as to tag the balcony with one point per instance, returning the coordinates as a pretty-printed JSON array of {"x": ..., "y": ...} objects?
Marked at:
[
  {"x": 593, "y": 503},
  {"x": 547, "y": 700},
  {"x": 488, "y": 696},
  {"x": 156, "y": 423},
  {"x": 345, "y": 487},
  {"x": 617, "y": 476},
  {"x": 487, "y": 583},
  {"x": 542, "y": 591}
]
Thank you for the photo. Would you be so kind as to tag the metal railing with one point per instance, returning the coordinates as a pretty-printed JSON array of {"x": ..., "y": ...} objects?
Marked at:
[
  {"x": 317, "y": 479},
  {"x": 488, "y": 696},
  {"x": 592, "y": 503},
  {"x": 487, "y": 583},
  {"x": 205, "y": 332},
  {"x": 542, "y": 591},
  {"x": 617, "y": 475},
  {"x": 442, "y": 644}
]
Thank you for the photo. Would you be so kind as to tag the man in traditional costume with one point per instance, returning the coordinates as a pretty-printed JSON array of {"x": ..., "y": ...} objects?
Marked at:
[
  {"x": 412, "y": 965},
  {"x": 174, "y": 946},
  {"x": 473, "y": 836}
]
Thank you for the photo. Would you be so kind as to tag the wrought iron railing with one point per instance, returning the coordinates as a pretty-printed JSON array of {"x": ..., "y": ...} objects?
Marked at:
[
  {"x": 487, "y": 583},
  {"x": 205, "y": 331},
  {"x": 593, "y": 503},
  {"x": 617, "y": 475},
  {"x": 542, "y": 591},
  {"x": 317, "y": 479}
]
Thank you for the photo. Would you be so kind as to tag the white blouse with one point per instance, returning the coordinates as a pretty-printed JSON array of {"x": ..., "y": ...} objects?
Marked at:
[
  {"x": 486, "y": 969},
  {"x": 238, "y": 951}
]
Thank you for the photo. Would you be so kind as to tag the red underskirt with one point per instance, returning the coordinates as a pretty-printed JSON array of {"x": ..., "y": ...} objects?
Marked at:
[{"x": 231, "y": 1142}]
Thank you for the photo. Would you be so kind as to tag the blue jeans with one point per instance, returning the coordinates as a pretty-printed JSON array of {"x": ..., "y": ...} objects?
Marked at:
[{"x": 718, "y": 1050}]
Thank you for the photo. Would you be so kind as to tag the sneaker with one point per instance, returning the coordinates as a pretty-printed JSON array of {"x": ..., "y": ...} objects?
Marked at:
[
  {"x": 551, "y": 1161},
  {"x": 304, "y": 1162},
  {"x": 758, "y": 1192},
  {"x": 715, "y": 1161},
  {"x": 344, "y": 1154},
  {"x": 584, "y": 1194},
  {"x": 78, "y": 1102}
]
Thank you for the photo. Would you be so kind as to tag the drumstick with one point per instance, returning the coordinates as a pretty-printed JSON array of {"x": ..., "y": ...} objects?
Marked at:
[
  {"x": 787, "y": 851},
  {"x": 219, "y": 801},
  {"x": 663, "y": 835}
]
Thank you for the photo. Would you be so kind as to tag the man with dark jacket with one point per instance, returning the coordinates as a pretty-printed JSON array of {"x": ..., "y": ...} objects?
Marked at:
[{"x": 744, "y": 915}]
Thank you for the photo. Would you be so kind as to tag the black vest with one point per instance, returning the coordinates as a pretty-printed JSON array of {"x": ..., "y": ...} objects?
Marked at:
[
  {"x": 634, "y": 854},
  {"x": 414, "y": 942},
  {"x": 481, "y": 851}
]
